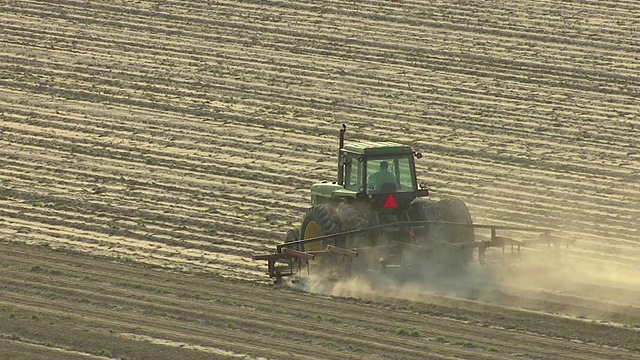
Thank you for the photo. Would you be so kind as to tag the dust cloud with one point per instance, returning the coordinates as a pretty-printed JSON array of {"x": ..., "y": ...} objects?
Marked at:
[{"x": 537, "y": 281}]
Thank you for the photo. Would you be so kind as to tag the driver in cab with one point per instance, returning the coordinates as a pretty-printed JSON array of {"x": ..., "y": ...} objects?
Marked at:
[{"x": 381, "y": 177}]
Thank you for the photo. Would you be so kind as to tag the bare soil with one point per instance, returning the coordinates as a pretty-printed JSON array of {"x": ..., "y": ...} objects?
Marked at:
[
  {"x": 148, "y": 149},
  {"x": 58, "y": 304}
]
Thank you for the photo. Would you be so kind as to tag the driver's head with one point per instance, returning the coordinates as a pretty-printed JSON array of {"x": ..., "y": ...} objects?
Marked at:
[{"x": 384, "y": 165}]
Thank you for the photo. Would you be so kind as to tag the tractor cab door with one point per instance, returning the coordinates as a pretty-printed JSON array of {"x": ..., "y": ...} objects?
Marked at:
[{"x": 354, "y": 173}]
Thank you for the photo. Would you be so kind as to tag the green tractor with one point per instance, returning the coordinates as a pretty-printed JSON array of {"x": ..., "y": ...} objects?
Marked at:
[{"x": 376, "y": 216}]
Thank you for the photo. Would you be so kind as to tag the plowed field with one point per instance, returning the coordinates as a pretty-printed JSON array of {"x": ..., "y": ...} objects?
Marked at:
[{"x": 148, "y": 149}]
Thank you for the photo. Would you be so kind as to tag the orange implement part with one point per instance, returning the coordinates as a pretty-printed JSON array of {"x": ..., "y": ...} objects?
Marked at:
[{"x": 297, "y": 254}]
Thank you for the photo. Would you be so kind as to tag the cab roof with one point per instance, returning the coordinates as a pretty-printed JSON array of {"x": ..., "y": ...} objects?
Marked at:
[{"x": 371, "y": 147}]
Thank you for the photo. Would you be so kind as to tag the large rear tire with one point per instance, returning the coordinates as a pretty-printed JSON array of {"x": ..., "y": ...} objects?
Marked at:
[
  {"x": 320, "y": 220},
  {"x": 455, "y": 210},
  {"x": 352, "y": 218},
  {"x": 429, "y": 259},
  {"x": 426, "y": 210}
]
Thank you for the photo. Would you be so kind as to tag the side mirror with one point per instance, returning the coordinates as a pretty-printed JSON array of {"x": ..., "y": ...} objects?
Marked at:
[
  {"x": 417, "y": 154},
  {"x": 423, "y": 184}
]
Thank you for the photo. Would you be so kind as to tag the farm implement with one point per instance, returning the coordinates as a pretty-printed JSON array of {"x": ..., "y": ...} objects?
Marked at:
[{"x": 377, "y": 217}]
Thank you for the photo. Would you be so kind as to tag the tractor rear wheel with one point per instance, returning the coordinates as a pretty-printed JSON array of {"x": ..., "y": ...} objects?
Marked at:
[
  {"x": 352, "y": 218},
  {"x": 433, "y": 258},
  {"x": 426, "y": 210},
  {"x": 455, "y": 210},
  {"x": 320, "y": 220}
]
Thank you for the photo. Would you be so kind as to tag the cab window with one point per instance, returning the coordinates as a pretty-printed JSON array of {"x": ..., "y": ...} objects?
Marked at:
[
  {"x": 354, "y": 173},
  {"x": 391, "y": 174}
]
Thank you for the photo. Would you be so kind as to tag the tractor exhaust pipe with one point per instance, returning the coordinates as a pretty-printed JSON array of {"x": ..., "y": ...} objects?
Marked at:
[{"x": 340, "y": 160}]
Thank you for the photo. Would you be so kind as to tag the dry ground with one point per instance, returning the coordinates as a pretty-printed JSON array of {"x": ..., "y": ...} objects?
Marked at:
[
  {"x": 149, "y": 148},
  {"x": 62, "y": 305}
]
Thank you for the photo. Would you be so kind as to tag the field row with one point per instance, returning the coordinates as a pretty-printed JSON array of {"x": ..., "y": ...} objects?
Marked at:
[{"x": 120, "y": 310}]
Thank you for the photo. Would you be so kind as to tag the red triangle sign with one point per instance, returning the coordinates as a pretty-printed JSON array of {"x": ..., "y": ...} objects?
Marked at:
[{"x": 390, "y": 203}]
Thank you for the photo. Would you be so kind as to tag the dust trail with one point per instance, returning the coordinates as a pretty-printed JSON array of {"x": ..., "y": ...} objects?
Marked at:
[{"x": 568, "y": 287}]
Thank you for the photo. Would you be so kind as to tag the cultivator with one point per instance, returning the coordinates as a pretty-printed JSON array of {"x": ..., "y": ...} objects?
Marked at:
[
  {"x": 288, "y": 259},
  {"x": 376, "y": 216}
]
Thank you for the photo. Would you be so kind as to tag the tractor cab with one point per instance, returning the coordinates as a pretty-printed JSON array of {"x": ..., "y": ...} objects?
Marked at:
[
  {"x": 379, "y": 173},
  {"x": 373, "y": 171}
]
